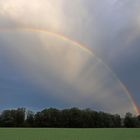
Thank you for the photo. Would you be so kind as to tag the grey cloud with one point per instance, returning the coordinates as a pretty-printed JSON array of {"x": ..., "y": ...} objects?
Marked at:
[{"x": 104, "y": 26}]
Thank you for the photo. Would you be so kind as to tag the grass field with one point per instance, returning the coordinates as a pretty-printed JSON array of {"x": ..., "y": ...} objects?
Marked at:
[{"x": 69, "y": 134}]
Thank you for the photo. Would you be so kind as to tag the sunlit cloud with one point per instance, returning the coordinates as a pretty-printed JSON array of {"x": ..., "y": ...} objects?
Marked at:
[{"x": 45, "y": 14}]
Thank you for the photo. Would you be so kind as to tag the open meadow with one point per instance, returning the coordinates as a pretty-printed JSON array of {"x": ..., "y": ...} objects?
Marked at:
[{"x": 68, "y": 134}]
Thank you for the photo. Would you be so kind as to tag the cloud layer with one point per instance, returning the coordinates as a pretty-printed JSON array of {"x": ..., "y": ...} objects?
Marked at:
[{"x": 56, "y": 72}]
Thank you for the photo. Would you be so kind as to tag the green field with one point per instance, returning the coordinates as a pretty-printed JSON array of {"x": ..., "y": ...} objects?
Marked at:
[{"x": 69, "y": 134}]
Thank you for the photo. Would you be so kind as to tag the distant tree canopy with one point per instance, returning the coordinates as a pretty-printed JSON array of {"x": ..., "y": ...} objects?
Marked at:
[
  {"x": 13, "y": 118},
  {"x": 66, "y": 118}
]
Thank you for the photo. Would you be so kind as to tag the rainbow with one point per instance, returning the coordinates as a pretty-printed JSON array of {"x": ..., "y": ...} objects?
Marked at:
[{"x": 84, "y": 48}]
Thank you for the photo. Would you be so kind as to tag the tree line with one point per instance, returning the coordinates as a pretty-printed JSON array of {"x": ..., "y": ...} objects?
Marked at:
[{"x": 66, "y": 118}]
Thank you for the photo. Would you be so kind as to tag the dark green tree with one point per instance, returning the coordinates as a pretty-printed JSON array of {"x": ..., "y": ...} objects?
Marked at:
[
  {"x": 130, "y": 121},
  {"x": 30, "y": 119},
  {"x": 13, "y": 118}
]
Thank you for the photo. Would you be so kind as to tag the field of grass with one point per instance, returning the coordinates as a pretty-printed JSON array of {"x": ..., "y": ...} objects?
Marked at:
[{"x": 68, "y": 134}]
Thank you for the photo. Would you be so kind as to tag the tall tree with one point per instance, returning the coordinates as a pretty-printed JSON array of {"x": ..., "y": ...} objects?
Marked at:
[
  {"x": 130, "y": 121},
  {"x": 30, "y": 119}
]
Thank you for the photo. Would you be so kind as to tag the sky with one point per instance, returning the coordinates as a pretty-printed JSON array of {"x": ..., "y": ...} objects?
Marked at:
[{"x": 80, "y": 53}]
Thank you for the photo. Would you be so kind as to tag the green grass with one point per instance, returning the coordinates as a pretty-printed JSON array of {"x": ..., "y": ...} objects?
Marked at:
[{"x": 68, "y": 134}]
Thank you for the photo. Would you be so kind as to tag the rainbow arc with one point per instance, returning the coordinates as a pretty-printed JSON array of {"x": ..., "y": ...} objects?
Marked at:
[{"x": 84, "y": 48}]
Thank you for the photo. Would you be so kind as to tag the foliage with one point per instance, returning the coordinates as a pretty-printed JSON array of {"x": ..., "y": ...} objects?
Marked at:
[{"x": 66, "y": 118}]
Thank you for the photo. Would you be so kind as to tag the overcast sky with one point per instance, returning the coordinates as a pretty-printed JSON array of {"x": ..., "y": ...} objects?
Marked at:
[{"x": 39, "y": 69}]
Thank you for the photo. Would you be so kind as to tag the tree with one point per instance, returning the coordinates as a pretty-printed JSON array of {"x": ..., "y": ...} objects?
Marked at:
[
  {"x": 7, "y": 120},
  {"x": 89, "y": 118},
  {"x": 20, "y": 117},
  {"x": 13, "y": 118},
  {"x": 30, "y": 119},
  {"x": 75, "y": 119},
  {"x": 48, "y": 118},
  {"x": 130, "y": 121},
  {"x": 66, "y": 118},
  {"x": 117, "y": 121}
]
